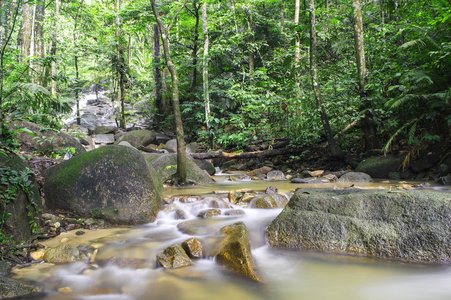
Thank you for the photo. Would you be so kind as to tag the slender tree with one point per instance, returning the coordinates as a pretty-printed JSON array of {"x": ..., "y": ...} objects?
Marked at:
[
  {"x": 195, "y": 13},
  {"x": 371, "y": 141},
  {"x": 335, "y": 150},
  {"x": 181, "y": 149},
  {"x": 157, "y": 74},
  {"x": 39, "y": 49},
  {"x": 53, "y": 47},
  {"x": 297, "y": 48},
  {"x": 205, "y": 71},
  {"x": 120, "y": 64}
]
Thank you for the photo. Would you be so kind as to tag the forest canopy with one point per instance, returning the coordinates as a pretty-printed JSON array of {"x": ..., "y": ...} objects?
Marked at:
[{"x": 247, "y": 69}]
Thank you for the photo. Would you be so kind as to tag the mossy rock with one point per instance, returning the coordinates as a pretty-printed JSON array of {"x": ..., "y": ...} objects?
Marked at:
[
  {"x": 355, "y": 177},
  {"x": 139, "y": 138},
  {"x": 12, "y": 288},
  {"x": 234, "y": 251},
  {"x": 174, "y": 257},
  {"x": 112, "y": 182},
  {"x": 380, "y": 166},
  {"x": 44, "y": 141},
  {"x": 166, "y": 167},
  {"x": 268, "y": 201},
  {"x": 63, "y": 254},
  {"x": 410, "y": 225},
  {"x": 20, "y": 208}
]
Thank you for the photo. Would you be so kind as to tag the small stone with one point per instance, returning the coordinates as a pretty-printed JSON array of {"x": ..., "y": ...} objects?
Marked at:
[
  {"x": 174, "y": 257},
  {"x": 65, "y": 290},
  {"x": 210, "y": 213},
  {"x": 79, "y": 232},
  {"x": 317, "y": 173},
  {"x": 271, "y": 190},
  {"x": 234, "y": 212},
  {"x": 64, "y": 240},
  {"x": 37, "y": 255},
  {"x": 193, "y": 247}
]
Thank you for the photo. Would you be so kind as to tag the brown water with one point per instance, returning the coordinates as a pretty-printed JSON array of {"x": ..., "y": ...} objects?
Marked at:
[{"x": 285, "y": 274}]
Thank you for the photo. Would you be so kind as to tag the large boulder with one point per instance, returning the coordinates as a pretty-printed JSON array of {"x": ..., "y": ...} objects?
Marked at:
[
  {"x": 355, "y": 177},
  {"x": 12, "y": 288},
  {"x": 409, "y": 225},
  {"x": 43, "y": 141},
  {"x": 166, "y": 167},
  {"x": 380, "y": 166},
  {"x": 111, "y": 182},
  {"x": 234, "y": 251},
  {"x": 139, "y": 138},
  {"x": 21, "y": 200}
]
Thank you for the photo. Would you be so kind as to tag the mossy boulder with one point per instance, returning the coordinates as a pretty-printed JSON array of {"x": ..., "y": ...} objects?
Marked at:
[
  {"x": 409, "y": 225},
  {"x": 112, "y": 182},
  {"x": 12, "y": 288},
  {"x": 139, "y": 138},
  {"x": 234, "y": 251},
  {"x": 23, "y": 208},
  {"x": 166, "y": 167},
  {"x": 380, "y": 166},
  {"x": 43, "y": 141}
]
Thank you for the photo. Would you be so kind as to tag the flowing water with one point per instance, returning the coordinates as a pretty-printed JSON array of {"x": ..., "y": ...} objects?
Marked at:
[{"x": 285, "y": 274}]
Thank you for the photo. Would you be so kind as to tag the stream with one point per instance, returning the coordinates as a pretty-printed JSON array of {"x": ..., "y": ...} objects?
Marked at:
[{"x": 285, "y": 274}]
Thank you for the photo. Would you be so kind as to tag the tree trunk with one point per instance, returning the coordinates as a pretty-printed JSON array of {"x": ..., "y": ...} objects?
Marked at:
[
  {"x": 120, "y": 65},
  {"x": 297, "y": 53},
  {"x": 54, "y": 46},
  {"x": 25, "y": 33},
  {"x": 77, "y": 86},
  {"x": 250, "y": 45},
  {"x": 39, "y": 48},
  {"x": 181, "y": 150},
  {"x": 195, "y": 47},
  {"x": 6, "y": 30},
  {"x": 368, "y": 127},
  {"x": 166, "y": 92},
  {"x": 157, "y": 74},
  {"x": 335, "y": 150},
  {"x": 205, "y": 73}
]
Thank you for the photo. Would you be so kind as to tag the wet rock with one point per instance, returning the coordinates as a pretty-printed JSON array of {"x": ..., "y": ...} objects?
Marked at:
[
  {"x": 92, "y": 223},
  {"x": 37, "y": 255},
  {"x": 355, "y": 177},
  {"x": 263, "y": 170},
  {"x": 179, "y": 214},
  {"x": 380, "y": 166},
  {"x": 206, "y": 165},
  {"x": 209, "y": 213},
  {"x": 165, "y": 166},
  {"x": 5, "y": 268},
  {"x": 105, "y": 130},
  {"x": 103, "y": 139},
  {"x": 126, "y": 262},
  {"x": 271, "y": 190},
  {"x": 138, "y": 138},
  {"x": 234, "y": 251},
  {"x": 63, "y": 254},
  {"x": 235, "y": 212},
  {"x": 243, "y": 177},
  {"x": 232, "y": 196},
  {"x": 11, "y": 288},
  {"x": 113, "y": 183},
  {"x": 330, "y": 177},
  {"x": 174, "y": 257},
  {"x": 309, "y": 180},
  {"x": 198, "y": 226},
  {"x": 217, "y": 203},
  {"x": 193, "y": 247},
  {"x": 171, "y": 146},
  {"x": 267, "y": 201},
  {"x": 275, "y": 175},
  {"x": 406, "y": 225}
]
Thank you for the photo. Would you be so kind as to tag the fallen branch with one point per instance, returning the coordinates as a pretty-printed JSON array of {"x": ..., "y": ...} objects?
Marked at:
[
  {"x": 255, "y": 154},
  {"x": 148, "y": 150}
]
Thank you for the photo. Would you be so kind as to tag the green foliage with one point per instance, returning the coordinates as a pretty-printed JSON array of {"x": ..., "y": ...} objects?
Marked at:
[{"x": 11, "y": 182}]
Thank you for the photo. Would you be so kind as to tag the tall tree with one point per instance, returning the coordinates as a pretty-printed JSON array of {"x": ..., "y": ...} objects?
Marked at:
[
  {"x": 181, "y": 149},
  {"x": 205, "y": 71},
  {"x": 369, "y": 129},
  {"x": 120, "y": 63},
  {"x": 39, "y": 49},
  {"x": 25, "y": 32},
  {"x": 53, "y": 46},
  {"x": 157, "y": 74},
  {"x": 335, "y": 150},
  {"x": 195, "y": 13},
  {"x": 297, "y": 48},
  {"x": 8, "y": 17},
  {"x": 77, "y": 75}
]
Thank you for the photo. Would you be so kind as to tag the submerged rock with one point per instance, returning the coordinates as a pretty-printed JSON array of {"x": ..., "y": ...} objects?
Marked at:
[
  {"x": 63, "y": 254},
  {"x": 174, "y": 257},
  {"x": 234, "y": 251},
  {"x": 112, "y": 182},
  {"x": 407, "y": 225}
]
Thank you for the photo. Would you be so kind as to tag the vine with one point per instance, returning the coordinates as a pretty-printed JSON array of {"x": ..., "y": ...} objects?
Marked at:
[{"x": 11, "y": 181}]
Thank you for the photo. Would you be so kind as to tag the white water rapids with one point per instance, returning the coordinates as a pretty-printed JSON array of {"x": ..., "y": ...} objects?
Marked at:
[{"x": 286, "y": 274}]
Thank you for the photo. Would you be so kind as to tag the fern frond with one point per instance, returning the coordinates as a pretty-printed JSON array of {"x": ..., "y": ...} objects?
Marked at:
[
  {"x": 411, "y": 134},
  {"x": 387, "y": 146},
  {"x": 417, "y": 42}
]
